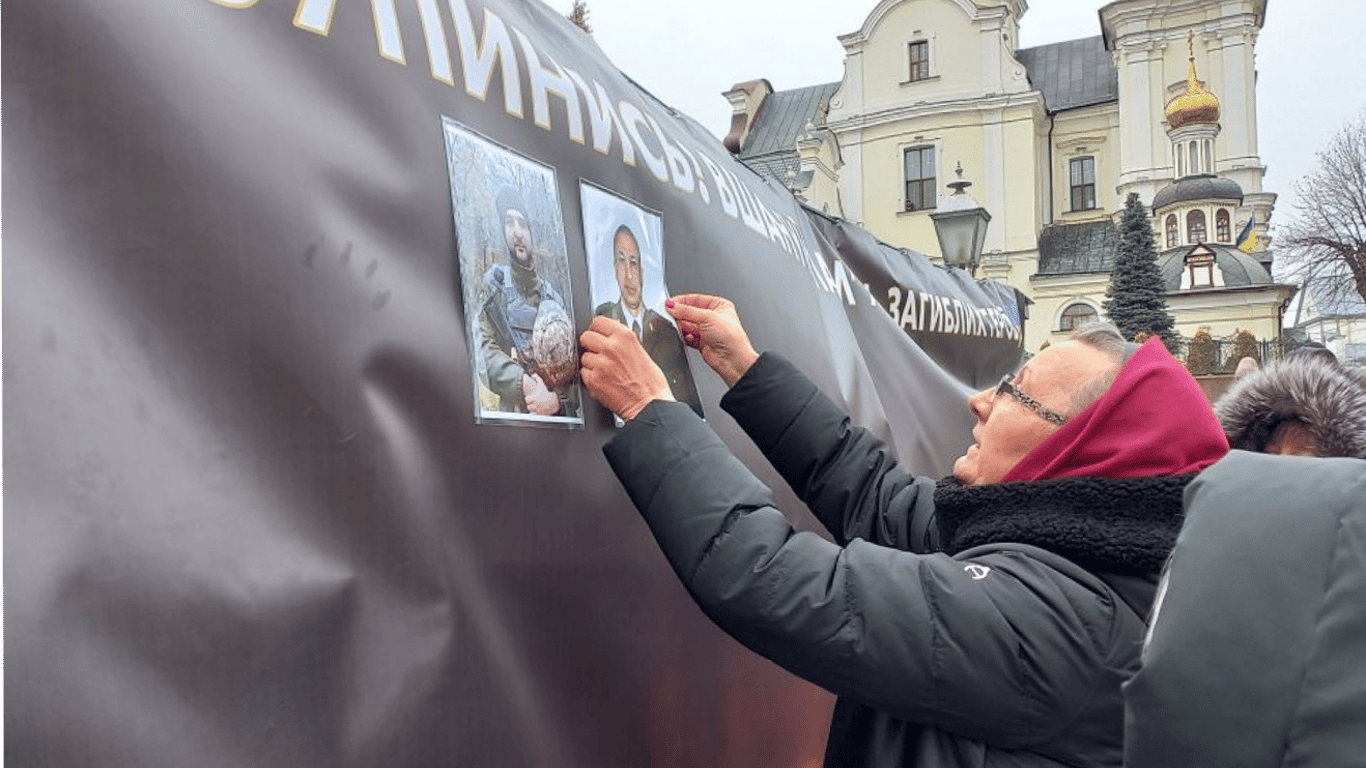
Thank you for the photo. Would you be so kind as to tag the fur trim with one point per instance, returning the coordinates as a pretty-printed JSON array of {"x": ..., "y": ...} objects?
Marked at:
[
  {"x": 1114, "y": 524},
  {"x": 1329, "y": 399}
]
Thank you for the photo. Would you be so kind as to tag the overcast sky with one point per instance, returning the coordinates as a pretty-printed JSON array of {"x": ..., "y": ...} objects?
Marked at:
[{"x": 1311, "y": 60}]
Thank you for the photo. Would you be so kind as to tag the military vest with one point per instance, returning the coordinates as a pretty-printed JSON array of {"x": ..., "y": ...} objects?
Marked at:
[{"x": 515, "y": 308}]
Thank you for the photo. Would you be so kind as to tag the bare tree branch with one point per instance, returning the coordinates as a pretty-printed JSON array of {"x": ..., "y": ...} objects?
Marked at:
[
  {"x": 1326, "y": 238},
  {"x": 579, "y": 15}
]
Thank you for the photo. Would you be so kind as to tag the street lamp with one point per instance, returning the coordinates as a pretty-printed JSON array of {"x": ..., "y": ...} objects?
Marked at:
[{"x": 961, "y": 225}]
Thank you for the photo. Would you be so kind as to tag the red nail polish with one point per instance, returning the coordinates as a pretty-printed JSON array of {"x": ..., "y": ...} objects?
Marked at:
[{"x": 669, "y": 303}]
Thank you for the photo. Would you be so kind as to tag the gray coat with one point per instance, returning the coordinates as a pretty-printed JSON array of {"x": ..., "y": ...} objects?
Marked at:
[
  {"x": 1258, "y": 651},
  {"x": 997, "y": 652}
]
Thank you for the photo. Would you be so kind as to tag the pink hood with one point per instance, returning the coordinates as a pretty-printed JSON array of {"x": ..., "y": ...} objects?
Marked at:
[{"x": 1154, "y": 420}]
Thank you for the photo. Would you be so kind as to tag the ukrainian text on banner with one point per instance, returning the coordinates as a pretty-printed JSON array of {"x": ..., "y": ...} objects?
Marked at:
[{"x": 275, "y": 492}]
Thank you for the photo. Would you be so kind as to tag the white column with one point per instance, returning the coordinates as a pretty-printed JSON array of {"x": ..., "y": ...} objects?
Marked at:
[{"x": 994, "y": 168}]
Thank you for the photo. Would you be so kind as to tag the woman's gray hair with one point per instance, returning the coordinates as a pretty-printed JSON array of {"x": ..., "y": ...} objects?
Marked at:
[{"x": 1106, "y": 338}]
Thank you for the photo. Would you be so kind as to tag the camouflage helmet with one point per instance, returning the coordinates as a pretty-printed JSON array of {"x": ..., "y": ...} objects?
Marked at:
[{"x": 554, "y": 350}]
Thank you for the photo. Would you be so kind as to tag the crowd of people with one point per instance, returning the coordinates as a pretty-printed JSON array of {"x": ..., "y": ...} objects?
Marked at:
[{"x": 1100, "y": 582}]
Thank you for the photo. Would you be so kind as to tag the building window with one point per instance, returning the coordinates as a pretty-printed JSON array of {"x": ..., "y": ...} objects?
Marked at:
[
  {"x": 919, "y": 178},
  {"x": 1083, "y": 176},
  {"x": 1222, "y": 228},
  {"x": 1195, "y": 159},
  {"x": 1075, "y": 316},
  {"x": 1195, "y": 227},
  {"x": 920, "y": 60},
  {"x": 1173, "y": 231},
  {"x": 1201, "y": 266}
]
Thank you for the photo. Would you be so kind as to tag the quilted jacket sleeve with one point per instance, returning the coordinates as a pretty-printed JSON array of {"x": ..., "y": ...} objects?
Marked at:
[
  {"x": 849, "y": 479},
  {"x": 1002, "y": 646}
]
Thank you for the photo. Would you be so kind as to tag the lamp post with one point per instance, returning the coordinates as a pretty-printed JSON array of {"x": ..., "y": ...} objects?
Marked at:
[{"x": 961, "y": 225}]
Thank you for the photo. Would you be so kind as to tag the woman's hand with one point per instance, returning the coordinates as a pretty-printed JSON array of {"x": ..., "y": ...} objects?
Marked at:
[
  {"x": 617, "y": 371},
  {"x": 711, "y": 325}
]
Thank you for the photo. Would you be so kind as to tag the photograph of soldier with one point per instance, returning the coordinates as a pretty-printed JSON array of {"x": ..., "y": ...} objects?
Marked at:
[
  {"x": 514, "y": 273},
  {"x": 625, "y": 250}
]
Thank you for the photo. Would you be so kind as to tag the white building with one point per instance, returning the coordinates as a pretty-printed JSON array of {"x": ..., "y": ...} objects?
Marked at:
[
  {"x": 1053, "y": 138},
  {"x": 1334, "y": 318}
]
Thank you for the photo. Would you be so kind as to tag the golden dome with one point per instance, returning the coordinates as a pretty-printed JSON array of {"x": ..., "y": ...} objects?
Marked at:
[{"x": 1196, "y": 105}]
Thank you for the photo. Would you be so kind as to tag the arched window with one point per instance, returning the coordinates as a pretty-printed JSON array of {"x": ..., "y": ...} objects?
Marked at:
[
  {"x": 1222, "y": 226},
  {"x": 1173, "y": 231},
  {"x": 1195, "y": 227},
  {"x": 1209, "y": 156},
  {"x": 1075, "y": 316},
  {"x": 1195, "y": 158},
  {"x": 1180, "y": 161}
]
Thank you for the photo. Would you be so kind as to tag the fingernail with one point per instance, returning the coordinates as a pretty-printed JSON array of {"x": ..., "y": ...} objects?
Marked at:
[{"x": 669, "y": 303}]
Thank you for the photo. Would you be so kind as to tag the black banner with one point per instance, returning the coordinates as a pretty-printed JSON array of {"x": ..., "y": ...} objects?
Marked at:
[{"x": 265, "y": 503}]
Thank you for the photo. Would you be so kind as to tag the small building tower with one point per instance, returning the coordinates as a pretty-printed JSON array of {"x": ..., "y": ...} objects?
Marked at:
[
  {"x": 1193, "y": 124},
  {"x": 1211, "y": 282}
]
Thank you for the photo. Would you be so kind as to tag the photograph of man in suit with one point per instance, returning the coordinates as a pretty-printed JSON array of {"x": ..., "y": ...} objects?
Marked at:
[{"x": 657, "y": 335}]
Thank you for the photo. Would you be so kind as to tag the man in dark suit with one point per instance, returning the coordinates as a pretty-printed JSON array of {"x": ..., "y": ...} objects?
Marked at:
[{"x": 656, "y": 334}]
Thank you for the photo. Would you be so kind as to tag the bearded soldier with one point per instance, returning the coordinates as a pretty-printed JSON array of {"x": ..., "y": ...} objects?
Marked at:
[{"x": 508, "y": 320}]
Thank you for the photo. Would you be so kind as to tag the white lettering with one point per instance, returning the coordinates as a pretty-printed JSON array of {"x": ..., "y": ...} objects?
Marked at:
[
  {"x": 680, "y": 170},
  {"x": 386, "y": 31},
  {"x": 894, "y": 304},
  {"x": 601, "y": 118},
  {"x": 434, "y": 32},
  {"x": 634, "y": 120},
  {"x": 842, "y": 284},
  {"x": 477, "y": 58},
  {"x": 723, "y": 188},
  {"x": 314, "y": 15},
  {"x": 546, "y": 81},
  {"x": 820, "y": 272},
  {"x": 749, "y": 207}
]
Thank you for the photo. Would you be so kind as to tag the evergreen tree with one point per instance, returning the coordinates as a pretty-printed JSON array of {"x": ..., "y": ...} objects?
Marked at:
[{"x": 1136, "y": 299}]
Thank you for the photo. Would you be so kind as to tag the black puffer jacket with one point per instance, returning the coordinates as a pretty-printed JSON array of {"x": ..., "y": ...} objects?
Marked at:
[
  {"x": 999, "y": 651},
  {"x": 1329, "y": 399}
]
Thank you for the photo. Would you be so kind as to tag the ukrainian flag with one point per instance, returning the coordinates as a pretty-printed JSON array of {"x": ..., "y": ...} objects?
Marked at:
[{"x": 1247, "y": 239}]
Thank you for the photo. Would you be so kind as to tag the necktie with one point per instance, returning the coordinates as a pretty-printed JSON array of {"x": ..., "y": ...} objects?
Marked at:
[{"x": 635, "y": 328}]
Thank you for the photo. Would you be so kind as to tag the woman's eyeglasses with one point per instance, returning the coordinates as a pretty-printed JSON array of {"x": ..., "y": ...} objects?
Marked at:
[{"x": 1034, "y": 405}]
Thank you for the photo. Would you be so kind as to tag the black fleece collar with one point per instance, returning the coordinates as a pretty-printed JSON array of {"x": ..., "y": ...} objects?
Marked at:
[{"x": 1118, "y": 525}]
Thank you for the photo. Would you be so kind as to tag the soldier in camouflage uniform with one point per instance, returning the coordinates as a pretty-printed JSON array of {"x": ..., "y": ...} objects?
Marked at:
[{"x": 508, "y": 317}]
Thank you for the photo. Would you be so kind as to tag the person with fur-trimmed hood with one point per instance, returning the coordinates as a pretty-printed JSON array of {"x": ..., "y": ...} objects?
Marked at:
[
  {"x": 1307, "y": 405},
  {"x": 987, "y": 619},
  {"x": 1255, "y": 657}
]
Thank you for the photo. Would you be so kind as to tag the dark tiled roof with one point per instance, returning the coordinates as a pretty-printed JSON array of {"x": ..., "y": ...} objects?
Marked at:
[
  {"x": 1202, "y": 187},
  {"x": 783, "y": 117},
  {"x": 1238, "y": 268},
  {"x": 775, "y": 166},
  {"x": 1077, "y": 249},
  {"x": 1076, "y": 73}
]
